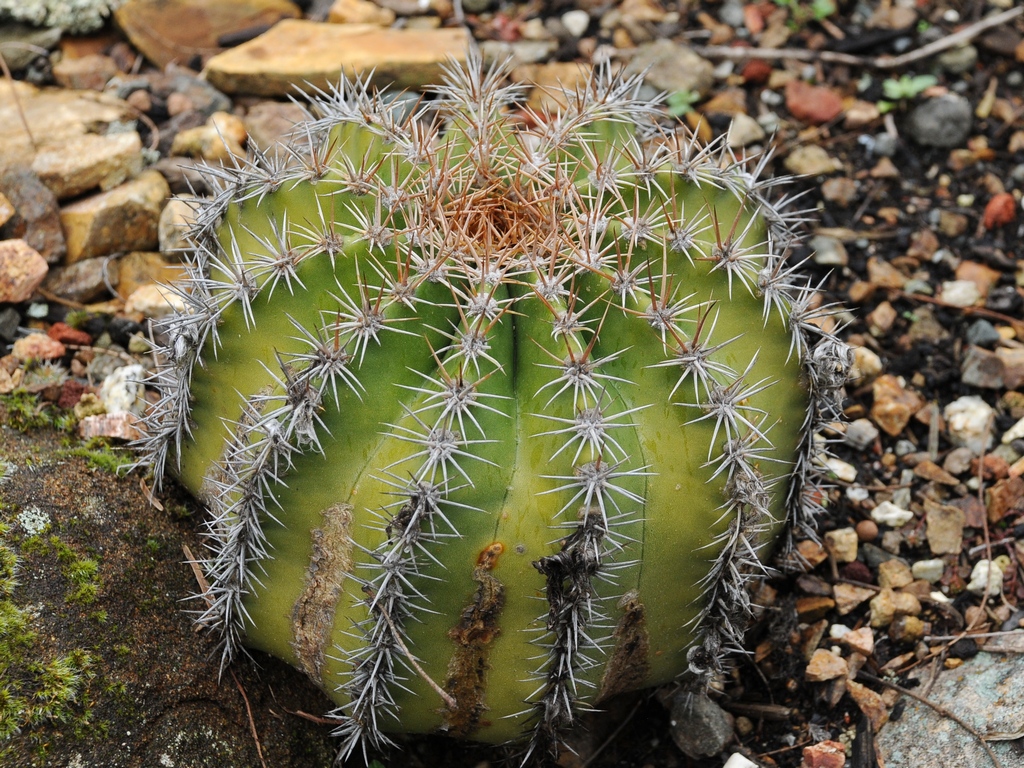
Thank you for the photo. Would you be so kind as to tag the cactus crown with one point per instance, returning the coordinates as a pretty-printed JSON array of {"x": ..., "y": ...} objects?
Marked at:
[{"x": 494, "y": 416}]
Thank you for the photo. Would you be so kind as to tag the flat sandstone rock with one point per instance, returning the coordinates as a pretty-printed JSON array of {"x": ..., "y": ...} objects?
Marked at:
[{"x": 299, "y": 54}]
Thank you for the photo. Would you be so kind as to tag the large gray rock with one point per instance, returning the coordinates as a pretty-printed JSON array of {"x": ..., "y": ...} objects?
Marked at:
[{"x": 984, "y": 692}]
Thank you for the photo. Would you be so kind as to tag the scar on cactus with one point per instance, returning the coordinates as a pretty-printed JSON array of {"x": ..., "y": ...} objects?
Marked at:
[{"x": 495, "y": 417}]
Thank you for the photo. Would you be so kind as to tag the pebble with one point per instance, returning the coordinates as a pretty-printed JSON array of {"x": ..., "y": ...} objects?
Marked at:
[
  {"x": 957, "y": 61},
  {"x": 9, "y": 321},
  {"x": 861, "y": 434},
  {"x": 841, "y": 190},
  {"x": 885, "y": 145},
  {"x": 360, "y": 12},
  {"x": 175, "y": 219},
  {"x": 65, "y": 334},
  {"x": 887, "y": 513},
  {"x": 672, "y": 67},
  {"x": 894, "y": 404},
  {"x": 154, "y": 301},
  {"x": 866, "y": 365},
  {"x": 960, "y": 293},
  {"x": 825, "y": 665},
  {"x": 811, "y": 160},
  {"x": 37, "y": 215},
  {"x": 737, "y": 760},
  {"x": 576, "y": 22},
  {"x": 814, "y": 104},
  {"x": 825, "y": 754},
  {"x": 982, "y": 333},
  {"x": 22, "y": 270},
  {"x": 860, "y": 641},
  {"x": 944, "y": 121},
  {"x": 944, "y": 528},
  {"x": 982, "y": 368},
  {"x": 867, "y": 530},
  {"x": 841, "y": 469},
  {"x": 887, "y": 605},
  {"x": 38, "y": 346},
  {"x": 842, "y": 543},
  {"x": 743, "y": 131},
  {"x": 90, "y": 72},
  {"x": 894, "y": 574},
  {"x": 123, "y": 219},
  {"x": 928, "y": 570},
  {"x": 986, "y": 575},
  {"x": 906, "y": 629},
  {"x": 86, "y": 162},
  {"x": 300, "y": 54},
  {"x": 968, "y": 423},
  {"x": 118, "y": 426},
  {"x": 123, "y": 392},
  {"x": 849, "y": 597},
  {"x": 84, "y": 281},
  {"x": 699, "y": 727},
  {"x": 828, "y": 251}
]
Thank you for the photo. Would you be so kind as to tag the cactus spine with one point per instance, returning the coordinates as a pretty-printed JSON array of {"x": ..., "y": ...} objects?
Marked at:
[{"x": 494, "y": 419}]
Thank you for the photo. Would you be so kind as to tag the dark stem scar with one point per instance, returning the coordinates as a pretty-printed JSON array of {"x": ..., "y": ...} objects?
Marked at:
[
  {"x": 473, "y": 635},
  {"x": 628, "y": 665},
  {"x": 329, "y": 564}
]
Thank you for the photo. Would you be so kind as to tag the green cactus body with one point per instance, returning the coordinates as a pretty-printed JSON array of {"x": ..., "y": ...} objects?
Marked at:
[{"x": 494, "y": 421}]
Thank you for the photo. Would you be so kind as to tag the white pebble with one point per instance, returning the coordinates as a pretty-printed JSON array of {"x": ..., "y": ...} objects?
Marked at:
[
  {"x": 969, "y": 422},
  {"x": 929, "y": 570},
  {"x": 739, "y": 761},
  {"x": 1016, "y": 432},
  {"x": 866, "y": 366},
  {"x": 939, "y": 597},
  {"x": 986, "y": 574},
  {"x": 889, "y": 514},
  {"x": 838, "y": 631},
  {"x": 960, "y": 293},
  {"x": 576, "y": 22},
  {"x": 841, "y": 469},
  {"x": 122, "y": 390}
]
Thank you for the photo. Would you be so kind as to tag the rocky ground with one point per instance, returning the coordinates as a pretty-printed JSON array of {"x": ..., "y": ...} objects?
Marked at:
[{"x": 905, "y": 123}]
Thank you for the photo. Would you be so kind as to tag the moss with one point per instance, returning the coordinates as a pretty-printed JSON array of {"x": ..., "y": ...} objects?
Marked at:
[
  {"x": 25, "y": 411},
  {"x": 81, "y": 572},
  {"x": 99, "y": 454}
]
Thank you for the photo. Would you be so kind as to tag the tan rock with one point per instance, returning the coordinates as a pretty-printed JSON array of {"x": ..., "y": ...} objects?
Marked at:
[
  {"x": 944, "y": 527},
  {"x": 91, "y": 72},
  {"x": 155, "y": 26},
  {"x": 125, "y": 218},
  {"x": 175, "y": 219},
  {"x": 870, "y": 703},
  {"x": 824, "y": 665},
  {"x": 842, "y": 543},
  {"x": 154, "y": 301},
  {"x": 811, "y": 160},
  {"x": 861, "y": 641},
  {"x": 22, "y": 269},
  {"x": 37, "y": 346},
  {"x": 906, "y": 629},
  {"x": 894, "y": 574},
  {"x": 883, "y": 609},
  {"x": 89, "y": 161},
  {"x": 268, "y": 122},
  {"x": 1013, "y": 366},
  {"x": 84, "y": 281},
  {"x": 813, "y": 607},
  {"x": 849, "y": 596},
  {"x": 299, "y": 54},
  {"x": 209, "y": 143},
  {"x": 54, "y": 116},
  {"x": 894, "y": 404},
  {"x": 360, "y": 12},
  {"x": 141, "y": 268}
]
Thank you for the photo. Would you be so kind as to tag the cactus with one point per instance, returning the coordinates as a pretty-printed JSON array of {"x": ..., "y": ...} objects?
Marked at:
[{"x": 495, "y": 417}]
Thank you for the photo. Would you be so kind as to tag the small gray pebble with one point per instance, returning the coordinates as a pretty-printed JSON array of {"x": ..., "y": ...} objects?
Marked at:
[
  {"x": 944, "y": 121},
  {"x": 885, "y": 145},
  {"x": 983, "y": 333}
]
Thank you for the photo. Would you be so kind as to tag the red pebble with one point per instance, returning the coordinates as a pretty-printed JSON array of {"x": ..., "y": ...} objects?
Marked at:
[
  {"x": 70, "y": 393},
  {"x": 813, "y": 104},
  {"x": 857, "y": 571},
  {"x": 825, "y": 754},
  {"x": 65, "y": 334},
  {"x": 756, "y": 71},
  {"x": 1001, "y": 210}
]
